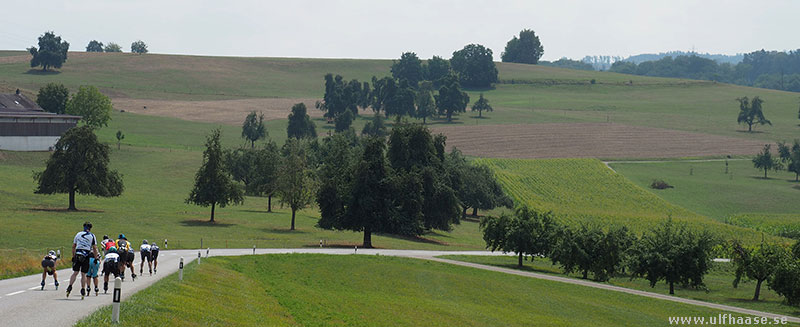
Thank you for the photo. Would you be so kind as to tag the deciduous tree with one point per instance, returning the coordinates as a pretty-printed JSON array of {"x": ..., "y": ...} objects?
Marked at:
[
  {"x": 300, "y": 124},
  {"x": 786, "y": 281},
  {"x": 376, "y": 127},
  {"x": 525, "y": 50},
  {"x": 296, "y": 184},
  {"x": 758, "y": 263},
  {"x": 253, "y": 128},
  {"x": 112, "y": 47},
  {"x": 53, "y": 97},
  {"x": 52, "y": 52},
  {"x": 481, "y": 105},
  {"x": 474, "y": 66},
  {"x": 408, "y": 68},
  {"x": 93, "y": 107},
  {"x": 436, "y": 69},
  {"x": 79, "y": 164},
  {"x": 527, "y": 232},
  {"x": 213, "y": 184},
  {"x": 764, "y": 160},
  {"x": 94, "y": 46},
  {"x": 139, "y": 47},
  {"x": 751, "y": 112},
  {"x": 450, "y": 98},
  {"x": 120, "y": 137},
  {"x": 426, "y": 107}
]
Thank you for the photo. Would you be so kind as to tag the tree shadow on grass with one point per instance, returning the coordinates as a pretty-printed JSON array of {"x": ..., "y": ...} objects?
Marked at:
[
  {"x": 479, "y": 117},
  {"x": 415, "y": 239},
  {"x": 753, "y": 132},
  {"x": 283, "y": 231},
  {"x": 63, "y": 210},
  {"x": 437, "y": 234},
  {"x": 204, "y": 223},
  {"x": 338, "y": 245},
  {"x": 41, "y": 72},
  {"x": 796, "y": 187},
  {"x": 261, "y": 211}
]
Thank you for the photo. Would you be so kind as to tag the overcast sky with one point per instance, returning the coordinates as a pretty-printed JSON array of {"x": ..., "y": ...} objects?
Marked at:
[{"x": 385, "y": 29}]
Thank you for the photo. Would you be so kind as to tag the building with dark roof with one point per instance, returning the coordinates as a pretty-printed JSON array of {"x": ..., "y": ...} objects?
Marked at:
[{"x": 24, "y": 126}]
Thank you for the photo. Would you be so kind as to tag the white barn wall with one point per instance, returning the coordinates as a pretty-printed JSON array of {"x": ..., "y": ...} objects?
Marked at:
[{"x": 28, "y": 143}]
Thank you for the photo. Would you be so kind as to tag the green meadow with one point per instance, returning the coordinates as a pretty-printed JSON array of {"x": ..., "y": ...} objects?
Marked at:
[
  {"x": 320, "y": 290},
  {"x": 719, "y": 283}
]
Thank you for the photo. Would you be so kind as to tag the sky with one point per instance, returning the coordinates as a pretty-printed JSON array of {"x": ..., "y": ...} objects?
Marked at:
[{"x": 385, "y": 29}]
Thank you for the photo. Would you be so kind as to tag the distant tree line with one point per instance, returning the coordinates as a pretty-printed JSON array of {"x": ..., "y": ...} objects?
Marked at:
[
  {"x": 766, "y": 69},
  {"x": 671, "y": 252}
]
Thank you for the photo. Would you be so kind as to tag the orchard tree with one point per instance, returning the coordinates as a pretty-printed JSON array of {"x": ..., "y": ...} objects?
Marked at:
[
  {"x": 300, "y": 124},
  {"x": 527, "y": 232},
  {"x": 53, "y": 97},
  {"x": 257, "y": 169},
  {"x": 450, "y": 98},
  {"x": 79, "y": 164},
  {"x": 94, "y": 46},
  {"x": 758, "y": 263},
  {"x": 370, "y": 197},
  {"x": 764, "y": 160},
  {"x": 93, "y": 107},
  {"x": 786, "y": 281},
  {"x": 296, "y": 184},
  {"x": 52, "y": 52},
  {"x": 343, "y": 121},
  {"x": 590, "y": 249},
  {"x": 481, "y": 105},
  {"x": 139, "y": 47},
  {"x": 112, "y": 47},
  {"x": 336, "y": 174},
  {"x": 408, "y": 68},
  {"x": 253, "y": 128},
  {"x": 525, "y": 50},
  {"x": 751, "y": 112},
  {"x": 213, "y": 184},
  {"x": 426, "y": 106},
  {"x": 673, "y": 253},
  {"x": 474, "y": 66}
]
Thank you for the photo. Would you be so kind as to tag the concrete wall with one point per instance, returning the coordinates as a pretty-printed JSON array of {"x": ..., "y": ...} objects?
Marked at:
[{"x": 28, "y": 143}]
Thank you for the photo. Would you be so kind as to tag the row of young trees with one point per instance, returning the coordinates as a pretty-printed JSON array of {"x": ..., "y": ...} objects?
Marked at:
[
  {"x": 671, "y": 252},
  {"x": 52, "y": 50}
]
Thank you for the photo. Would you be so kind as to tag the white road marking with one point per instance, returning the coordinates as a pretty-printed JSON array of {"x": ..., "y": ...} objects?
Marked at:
[
  {"x": 33, "y": 288},
  {"x": 14, "y": 293}
]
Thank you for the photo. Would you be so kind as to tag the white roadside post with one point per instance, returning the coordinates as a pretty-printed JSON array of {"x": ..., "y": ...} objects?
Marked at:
[
  {"x": 254, "y": 249},
  {"x": 198, "y": 257},
  {"x": 207, "y": 250},
  {"x": 116, "y": 298},
  {"x": 180, "y": 270}
]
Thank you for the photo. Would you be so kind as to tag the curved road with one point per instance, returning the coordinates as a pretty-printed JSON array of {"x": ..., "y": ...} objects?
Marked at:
[{"x": 23, "y": 304}]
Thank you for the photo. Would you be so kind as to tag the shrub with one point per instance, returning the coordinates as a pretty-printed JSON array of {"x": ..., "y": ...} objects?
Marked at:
[{"x": 660, "y": 184}]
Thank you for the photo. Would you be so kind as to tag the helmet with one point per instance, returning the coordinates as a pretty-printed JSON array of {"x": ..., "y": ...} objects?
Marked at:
[
  {"x": 51, "y": 253},
  {"x": 105, "y": 237},
  {"x": 122, "y": 236},
  {"x": 144, "y": 242},
  {"x": 112, "y": 249},
  {"x": 87, "y": 226}
]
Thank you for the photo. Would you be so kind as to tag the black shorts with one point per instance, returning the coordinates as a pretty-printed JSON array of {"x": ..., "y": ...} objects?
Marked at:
[
  {"x": 146, "y": 255},
  {"x": 80, "y": 263},
  {"x": 48, "y": 264},
  {"x": 154, "y": 254},
  {"x": 131, "y": 257},
  {"x": 111, "y": 267}
]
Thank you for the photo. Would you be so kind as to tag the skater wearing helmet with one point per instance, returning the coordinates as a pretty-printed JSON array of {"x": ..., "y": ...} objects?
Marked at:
[
  {"x": 84, "y": 246},
  {"x": 126, "y": 257},
  {"x": 106, "y": 243},
  {"x": 49, "y": 266},
  {"x": 146, "y": 255},
  {"x": 110, "y": 266}
]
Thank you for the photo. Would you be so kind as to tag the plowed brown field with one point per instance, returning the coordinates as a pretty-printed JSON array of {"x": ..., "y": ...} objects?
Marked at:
[
  {"x": 230, "y": 112},
  {"x": 589, "y": 140}
]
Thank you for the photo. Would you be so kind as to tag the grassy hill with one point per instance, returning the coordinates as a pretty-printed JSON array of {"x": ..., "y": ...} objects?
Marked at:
[
  {"x": 537, "y": 94},
  {"x": 318, "y": 290}
]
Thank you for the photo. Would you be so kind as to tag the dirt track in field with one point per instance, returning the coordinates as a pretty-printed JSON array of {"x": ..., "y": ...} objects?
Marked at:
[
  {"x": 590, "y": 140},
  {"x": 229, "y": 112}
]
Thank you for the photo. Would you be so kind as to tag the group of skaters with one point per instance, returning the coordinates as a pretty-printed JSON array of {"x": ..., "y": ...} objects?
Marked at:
[{"x": 87, "y": 260}]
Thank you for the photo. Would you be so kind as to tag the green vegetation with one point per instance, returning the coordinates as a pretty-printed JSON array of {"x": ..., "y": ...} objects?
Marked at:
[
  {"x": 585, "y": 190},
  {"x": 741, "y": 197},
  {"x": 52, "y": 52},
  {"x": 527, "y": 49},
  {"x": 320, "y": 290},
  {"x": 718, "y": 282}
]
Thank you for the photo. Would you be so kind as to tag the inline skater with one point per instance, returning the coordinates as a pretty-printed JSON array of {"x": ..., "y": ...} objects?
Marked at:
[
  {"x": 154, "y": 255},
  {"x": 49, "y": 266},
  {"x": 110, "y": 266},
  {"x": 146, "y": 255},
  {"x": 84, "y": 246},
  {"x": 106, "y": 243},
  {"x": 94, "y": 268},
  {"x": 125, "y": 252}
]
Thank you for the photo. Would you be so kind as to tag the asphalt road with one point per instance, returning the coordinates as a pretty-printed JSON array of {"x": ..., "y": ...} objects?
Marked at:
[{"x": 23, "y": 304}]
